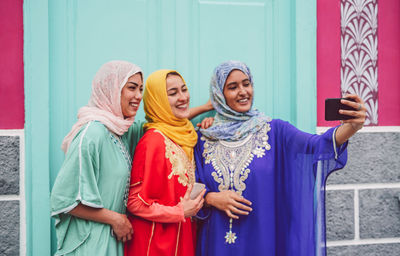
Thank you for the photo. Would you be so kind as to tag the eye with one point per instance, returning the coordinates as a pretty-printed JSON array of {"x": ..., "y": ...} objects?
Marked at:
[
  {"x": 141, "y": 89},
  {"x": 132, "y": 87},
  {"x": 184, "y": 89},
  {"x": 232, "y": 87},
  {"x": 246, "y": 84},
  {"x": 172, "y": 93}
]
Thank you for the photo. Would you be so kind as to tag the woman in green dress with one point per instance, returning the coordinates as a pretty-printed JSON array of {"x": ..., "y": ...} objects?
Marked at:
[{"x": 87, "y": 199}]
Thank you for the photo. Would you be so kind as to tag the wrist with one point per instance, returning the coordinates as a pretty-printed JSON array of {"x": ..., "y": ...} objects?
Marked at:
[
  {"x": 356, "y": 127},
  {"x": 113, "y": 218},
  {"x": 208, "y": 198},
  {"x": 181, "y": 210}
]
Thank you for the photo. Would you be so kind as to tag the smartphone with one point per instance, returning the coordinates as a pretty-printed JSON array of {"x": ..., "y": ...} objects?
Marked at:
[
  {"x": 197, "y": 188},
  {"x": 332, "y": 106}
]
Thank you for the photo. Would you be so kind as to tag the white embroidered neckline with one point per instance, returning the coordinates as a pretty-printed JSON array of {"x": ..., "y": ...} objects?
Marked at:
[{"x": 230, "y": 160}]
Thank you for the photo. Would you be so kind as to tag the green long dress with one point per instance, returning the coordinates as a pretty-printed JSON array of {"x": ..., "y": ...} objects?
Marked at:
[{"x": 95, "y": 172}]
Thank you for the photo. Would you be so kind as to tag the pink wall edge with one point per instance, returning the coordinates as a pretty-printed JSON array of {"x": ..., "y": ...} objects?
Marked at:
[
  {"x": 328, "y": 56},
  {"x": 11, "y": 65}
]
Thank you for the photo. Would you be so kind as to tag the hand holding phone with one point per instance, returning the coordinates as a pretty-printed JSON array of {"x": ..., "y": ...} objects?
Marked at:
[
  {"x": 332, "y": 106},
  {"x": 196, "y": 190}
]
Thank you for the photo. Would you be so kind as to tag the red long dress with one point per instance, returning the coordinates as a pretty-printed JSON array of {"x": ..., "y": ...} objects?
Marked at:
[{"x": 163, "y": 171}]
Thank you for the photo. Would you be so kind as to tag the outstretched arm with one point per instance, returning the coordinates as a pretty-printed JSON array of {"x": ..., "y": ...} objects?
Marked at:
[
  {"x": 195, "y": 111},
  {"x": 351, "y": 126}
]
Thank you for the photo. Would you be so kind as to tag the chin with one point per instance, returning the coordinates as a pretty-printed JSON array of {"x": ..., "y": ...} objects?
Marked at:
[
  {"x": 130, "y": 115},
  {"x": 242, "y": 109},
  {"x": 182, "y": 115}
]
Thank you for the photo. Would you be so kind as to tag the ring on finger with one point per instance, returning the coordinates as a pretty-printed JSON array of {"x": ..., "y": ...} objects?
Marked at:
[{"x": 359, "y": 107}]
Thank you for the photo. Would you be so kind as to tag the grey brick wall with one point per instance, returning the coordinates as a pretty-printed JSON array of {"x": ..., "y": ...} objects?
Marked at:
[
  {"x": 9, "y": 187},
  {"x": 9, "y": 228},
  {"x": 9, "y": 165},
  {"x": 362, "y": 200}
]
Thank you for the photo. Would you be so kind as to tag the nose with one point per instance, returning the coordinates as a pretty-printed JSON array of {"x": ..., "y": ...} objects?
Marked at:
[
  {"x": 182, "y": 96},
  {"x": 139, "y": 95},
  {"x": 242, "y": 90}
]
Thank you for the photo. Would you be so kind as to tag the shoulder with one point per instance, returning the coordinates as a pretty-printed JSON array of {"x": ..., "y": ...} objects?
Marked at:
[
  {"x": 152, "y": 139},
  {"x": 279, "y": 123},
  {"x": 153, "y": 135},
  {"x": 91, "y": 134},
  {"x": 137, "y": 126},
  {"x": 279, "y": 126}
]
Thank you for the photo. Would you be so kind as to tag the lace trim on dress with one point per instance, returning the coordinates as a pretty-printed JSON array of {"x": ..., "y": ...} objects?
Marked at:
[
  {"x": 181, "y": 165},
  {"x": 128, "y": 161}
]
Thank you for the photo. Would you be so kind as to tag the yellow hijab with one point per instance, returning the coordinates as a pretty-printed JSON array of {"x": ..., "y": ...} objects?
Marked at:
[{"x": 159, "y": 114}]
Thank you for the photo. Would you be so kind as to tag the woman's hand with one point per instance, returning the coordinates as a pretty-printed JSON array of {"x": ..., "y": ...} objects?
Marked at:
[
  {"x": 119, "y": 223},
  {"x": 191, "y": 207},
  {"x": 359, "y": 113},
  {"x": 229, "y": 202},
  {"x": 351, "y": 126},
  {"x": 121, "y": 227},
  {"x": 206, "y": 123}
]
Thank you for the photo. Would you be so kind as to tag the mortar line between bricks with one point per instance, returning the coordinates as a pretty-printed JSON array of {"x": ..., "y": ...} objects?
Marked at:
[
  {"x": 356, "y": 215},
  {"x": 22, "y": 202},
  {"x": 362, "y": 186},
  {"x": 10, "y": 198},
  {"x": 18, "y": 132},
  {"x": 394, "y": 240}
]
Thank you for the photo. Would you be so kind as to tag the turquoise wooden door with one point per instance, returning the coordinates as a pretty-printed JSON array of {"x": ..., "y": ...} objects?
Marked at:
[{"x": 275, "y": 38}]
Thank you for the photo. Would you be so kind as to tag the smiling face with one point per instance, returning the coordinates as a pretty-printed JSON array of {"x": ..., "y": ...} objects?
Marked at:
[
  {"x": 178, "y": 96},
  {"x": 131, "y": 95},
  {"x": 238, "y": 91}
]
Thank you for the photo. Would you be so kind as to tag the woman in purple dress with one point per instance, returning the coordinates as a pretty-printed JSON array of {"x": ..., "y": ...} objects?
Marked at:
[{"x": 264, "y": 178}]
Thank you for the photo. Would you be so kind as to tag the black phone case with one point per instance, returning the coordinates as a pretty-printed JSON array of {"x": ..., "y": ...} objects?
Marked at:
[{"x": 332, "y": 106}]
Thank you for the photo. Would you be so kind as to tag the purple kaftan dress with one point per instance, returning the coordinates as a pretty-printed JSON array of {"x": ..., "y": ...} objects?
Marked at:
[{"x": 282, "y": 171}]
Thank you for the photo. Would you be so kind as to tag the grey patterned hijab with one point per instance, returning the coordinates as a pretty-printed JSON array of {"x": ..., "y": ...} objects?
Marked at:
[{"x": 230, "y": 125}]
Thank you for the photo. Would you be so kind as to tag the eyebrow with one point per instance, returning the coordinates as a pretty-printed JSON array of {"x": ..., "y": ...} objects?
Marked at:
[
  {"x": 234, "y": 83},
  {"x": 133, "y": 83},
  {"x": 175, "y": 89}
]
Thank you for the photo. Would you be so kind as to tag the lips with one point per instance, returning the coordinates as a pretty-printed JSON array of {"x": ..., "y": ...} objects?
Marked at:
[
  {"x": 134, "y": 104},
  {"x": 182, "y": 106},
  {"x": 243, "y": 101}
]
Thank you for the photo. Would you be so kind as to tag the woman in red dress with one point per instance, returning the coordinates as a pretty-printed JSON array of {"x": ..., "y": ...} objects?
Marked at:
[{"x": 163, "y": 172}]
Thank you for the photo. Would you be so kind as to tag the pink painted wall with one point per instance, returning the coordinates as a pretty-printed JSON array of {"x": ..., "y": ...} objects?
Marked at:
[
  {"x": 11, "y": 65},
  {"x": 389, "y": 62},
  {"x": 328, "y": 59},
  {"x": 328, "y": 56}
]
